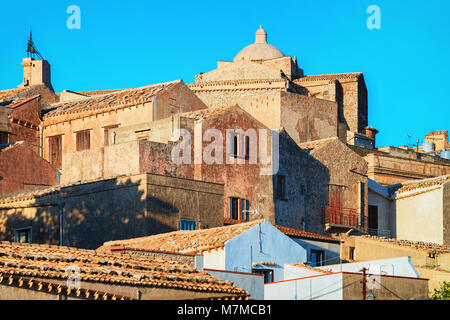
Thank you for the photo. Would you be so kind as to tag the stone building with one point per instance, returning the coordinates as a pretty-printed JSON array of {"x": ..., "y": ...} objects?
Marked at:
[
  {"x": 21, "y": 168},
  {"x": 391, "y": 165},
  {"x": 431, "y": 260},
  {"x": 83, "y": 123},
  {"x": 46, "y": 272},
  {"x": 337, "y": 188},
  {"x": 261, "y": 69},
  {"x": 86, "y": 214},
  {"x": 416, "y": 210}
]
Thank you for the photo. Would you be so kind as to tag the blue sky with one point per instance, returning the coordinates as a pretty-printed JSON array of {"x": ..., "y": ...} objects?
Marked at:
[{"x": 124, "y": 44}]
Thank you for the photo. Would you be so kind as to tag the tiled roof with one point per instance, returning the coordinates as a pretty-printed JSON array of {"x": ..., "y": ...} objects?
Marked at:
[
  {"x": 10, "y": 95},
  {"x": 52, "y": 262},
  {"x": 316, "y": 144},
  {"x": 93, "y": 93},
  {"x": 87, "y": 106},
  {"x": 337, "y": 76},
  {"x": 301, "y": 265},
  {"x": 186, "y": 241},
  {"x": 304, "y": 234},
  {"x": 28, "y": 194},
  {"x": 421, "y": 184},
  {"x": 418, "y": 245},
  {"x": 206, "y": 113}
]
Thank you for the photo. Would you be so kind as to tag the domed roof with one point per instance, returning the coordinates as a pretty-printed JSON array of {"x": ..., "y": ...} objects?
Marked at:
[{"x": 260, "y": 50}]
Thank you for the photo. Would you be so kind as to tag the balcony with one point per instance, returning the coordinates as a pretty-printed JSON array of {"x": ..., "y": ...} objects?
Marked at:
[{"x": 342, "y": 218}]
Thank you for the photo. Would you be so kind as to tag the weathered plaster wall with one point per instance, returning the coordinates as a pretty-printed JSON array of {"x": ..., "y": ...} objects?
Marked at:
[
  {"x": 119, "y": 208},
  {"x": 22, "y": 168},
  {"x": 263, "y": 243}
]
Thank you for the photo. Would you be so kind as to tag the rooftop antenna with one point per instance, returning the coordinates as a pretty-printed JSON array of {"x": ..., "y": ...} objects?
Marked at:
[
  {"x": 31, "y": 49},
  {"x": 409, "y": 137}
]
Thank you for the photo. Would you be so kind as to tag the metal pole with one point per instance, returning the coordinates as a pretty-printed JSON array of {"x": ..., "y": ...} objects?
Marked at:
[{"x": 364, "y": 290}]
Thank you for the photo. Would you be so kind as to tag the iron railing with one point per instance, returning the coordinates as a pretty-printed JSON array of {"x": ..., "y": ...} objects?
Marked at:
[{"x": 341, "y": 216}]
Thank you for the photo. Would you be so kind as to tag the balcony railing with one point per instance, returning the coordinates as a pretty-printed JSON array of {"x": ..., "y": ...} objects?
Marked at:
[{"x": 342, "y": 217}]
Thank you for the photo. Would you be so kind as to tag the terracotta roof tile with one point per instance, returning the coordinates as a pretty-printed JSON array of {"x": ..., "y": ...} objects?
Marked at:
[
  {"x": 85, "y": 106},
  {"x": 304, "y": 234},
  {"x": 52, "y": 262},
  {"x": 10, "y": 95},
  {"x": 420, "y": 184},
  {"x": 316, "y": 144},
  {"x": 301, "y": 265},
  {"x": 418, "y": 245},
  {"x": 186, "y": 241},
  {"x": 206, "y": 113}
]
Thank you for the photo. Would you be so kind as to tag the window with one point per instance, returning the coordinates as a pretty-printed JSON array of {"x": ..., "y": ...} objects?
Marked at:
[
  {"x": 351, "y": 253},
  {"x": 55, "y": 151},
  {"x": 4, "y": 137},
  {"x": 83, "y": 140},
  {"x": 317, "y": 258},
  {"x": 373, "y": 217},
  {"x": 239, "y": 145},
  {"x": 107, "y": 135},
  {"x": 280, "y": 187},
  {"x": 238, "y": 209},
  {"x": 246, "y": 147},
  {"x": 268, "y": 274},
  {"x": 234, "y": 144},
  {"x": 23, "y": 235},
  {"x": 187, "y": 224},
  {"x": 363, "y": 203}
]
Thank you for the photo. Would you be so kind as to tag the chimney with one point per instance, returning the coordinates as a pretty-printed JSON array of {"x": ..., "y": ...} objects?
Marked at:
[
  {"x": 36, "y": 72},
  {"x": 371, "y": 132}
]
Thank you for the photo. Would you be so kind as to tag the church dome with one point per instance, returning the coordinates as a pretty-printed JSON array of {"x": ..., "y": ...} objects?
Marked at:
[{"x": 260, "y": 50}]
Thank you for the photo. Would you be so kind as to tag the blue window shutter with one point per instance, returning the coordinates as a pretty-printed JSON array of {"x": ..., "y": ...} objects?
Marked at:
[
  {"x": 229, "y": 207},
  {"x": 242, "y": 145}
]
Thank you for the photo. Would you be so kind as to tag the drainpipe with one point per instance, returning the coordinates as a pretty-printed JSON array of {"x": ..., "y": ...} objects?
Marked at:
[
  {"x": 41, "y": 139},
  {"x": 61, "y": 211}
]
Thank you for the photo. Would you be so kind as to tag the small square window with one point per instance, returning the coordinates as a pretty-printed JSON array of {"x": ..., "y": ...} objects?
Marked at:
[
  {"x": 23, "y": 235},
  {"x": 186, "y": 224},
  {"x": 317, "y": 258},
  {"x": 268, "y": 274}
]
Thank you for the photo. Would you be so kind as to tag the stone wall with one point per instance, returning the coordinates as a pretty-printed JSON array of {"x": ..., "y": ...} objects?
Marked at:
[
  {"x": 21, "y": 168},
  {"x": 389, "y": 165},
  {"x": 120, "y": 208},
  {"x": 331, "y": 165},
  {"x": 306, "y": 118},
  {"x": 391, "y": 288}
]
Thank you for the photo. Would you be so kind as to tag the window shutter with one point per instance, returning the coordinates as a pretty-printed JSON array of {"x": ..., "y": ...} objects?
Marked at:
[{"x": 247, "y": 207}]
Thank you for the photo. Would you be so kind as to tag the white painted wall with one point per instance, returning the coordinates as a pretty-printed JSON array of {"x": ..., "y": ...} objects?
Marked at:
[
  {"x": 214, "y": 259},
  {"x": 401, "y": 267},
  {"x": 420, "y": 217},
  {"x": 325, "y": 287}
]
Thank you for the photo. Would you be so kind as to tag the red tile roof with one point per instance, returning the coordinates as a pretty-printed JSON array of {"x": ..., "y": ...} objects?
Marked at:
[
  {"x": 417, "y": 245},
  {"x": 421, "y": 184},
  {"x": 52, "y": 262},
  {"x": 305, "y": 234},
  {"x": 86, "y": 106},
  {"x": 10, "y": 94},
  {"x": 292, "y": 232},
  {"x": 185, "y": 241}
]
